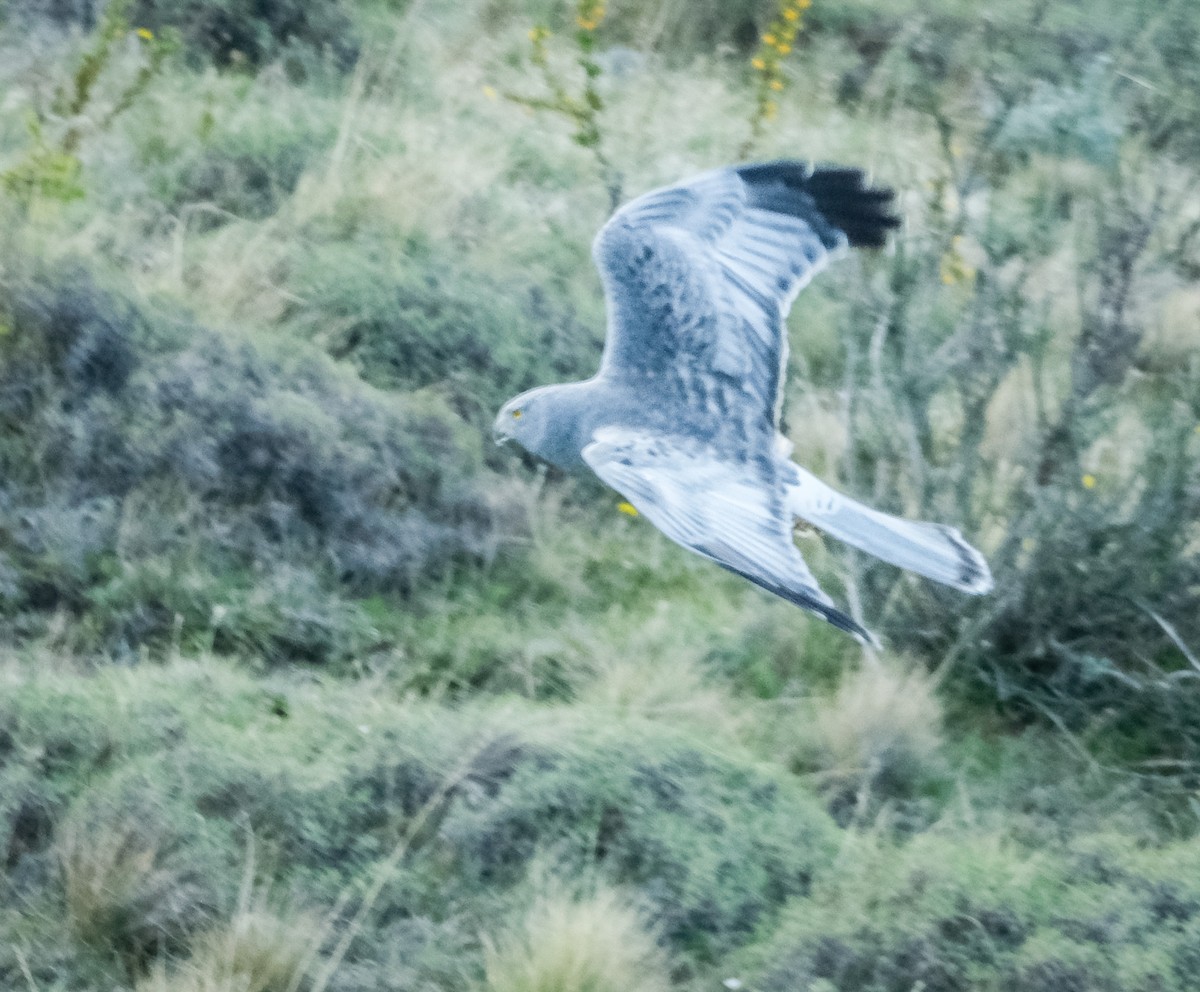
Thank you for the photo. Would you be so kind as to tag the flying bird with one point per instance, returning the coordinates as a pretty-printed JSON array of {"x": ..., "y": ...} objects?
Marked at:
[{"x": 682, "y": 419}]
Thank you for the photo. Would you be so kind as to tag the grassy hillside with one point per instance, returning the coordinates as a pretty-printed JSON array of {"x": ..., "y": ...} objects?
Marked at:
[{"x": 306, "y": 687}]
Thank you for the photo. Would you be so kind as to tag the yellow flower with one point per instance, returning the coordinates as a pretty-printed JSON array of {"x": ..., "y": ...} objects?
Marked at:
[
  {"x": 490, "y": 92},
  {"x": 790, "y": 15},
  {"x": 145, "y": 34},
  {"x": 783, "y": 49},
  {"x": 776, "y": 84},
  {"x": 768, "y": 39},
  {"x": 627, "y": 508},
  {"x": 1089, "y": 481},
  {"x": 758, "y": 64},
  {"x": 770, "y": 109},
  {"x": 587, "y": 25}
]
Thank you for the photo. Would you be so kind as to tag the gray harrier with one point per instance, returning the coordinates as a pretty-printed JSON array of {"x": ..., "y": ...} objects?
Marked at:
[{"x": 682, "y": 418}]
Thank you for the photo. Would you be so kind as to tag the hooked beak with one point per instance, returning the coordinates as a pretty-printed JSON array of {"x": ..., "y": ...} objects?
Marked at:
[{"x": 499, "y": 434}]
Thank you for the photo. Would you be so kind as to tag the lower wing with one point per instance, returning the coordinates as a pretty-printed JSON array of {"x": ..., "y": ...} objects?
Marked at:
[{"x": 715, "y": 507}]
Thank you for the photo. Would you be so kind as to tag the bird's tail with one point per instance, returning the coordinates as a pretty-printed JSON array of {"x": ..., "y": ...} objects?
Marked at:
[{"x": 932, "y": 550}]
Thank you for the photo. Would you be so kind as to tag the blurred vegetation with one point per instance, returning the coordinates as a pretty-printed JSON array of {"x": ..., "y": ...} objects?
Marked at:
[
  {"x": 51, "y": 166},
  {"x": 307, "y": 688}
]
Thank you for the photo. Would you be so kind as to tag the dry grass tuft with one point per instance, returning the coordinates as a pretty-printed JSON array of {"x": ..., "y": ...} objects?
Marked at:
[
  {"x": 104, "y": 872},
  {"x": 564, "y": 944},
  {"x": 667, "y": 686},
  {"x": 258, "y": 950},
  {"x": 120, "y": 893},
  {"x": 883, "y": 724},
  {"x": 654, "y": 669}
]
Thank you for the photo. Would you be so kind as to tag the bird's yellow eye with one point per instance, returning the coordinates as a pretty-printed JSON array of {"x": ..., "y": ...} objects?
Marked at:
[{"x": 516, "y": 414}]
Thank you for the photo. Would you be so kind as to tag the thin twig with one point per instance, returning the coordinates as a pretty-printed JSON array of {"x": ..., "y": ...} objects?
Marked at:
[
  {"x": 1077, "y": 745},
  {"x": 1173, "y": 634}
]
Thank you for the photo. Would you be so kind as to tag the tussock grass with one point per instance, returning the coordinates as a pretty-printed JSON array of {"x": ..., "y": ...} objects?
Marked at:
[
  {"x": 669, "y": 686},
  {"x": 883, "y": 724},
  {"x": 121, "y": 893},
  {"x": 598, "y": 942},
  {"x": 260, "y": 948},
  {"x": 105, "y": 871},
  {"x": 256, "y": 951}
]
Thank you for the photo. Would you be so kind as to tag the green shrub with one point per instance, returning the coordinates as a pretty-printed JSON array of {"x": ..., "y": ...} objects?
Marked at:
[
  {"x": 948, "y": 914},
  {"x": 329, "y": 785},
  {"x": 125, "y": 891},
  {"x": 50, "y": 742},
  {"x": 1065, "y": 120},
  {"x": 712, "y": 845},
  {"x": 982, "y": 394},
  {"x": 246, "y": 173},
  {"x": 411, "y": 316},
  {"x": 1051, "y": 67}
]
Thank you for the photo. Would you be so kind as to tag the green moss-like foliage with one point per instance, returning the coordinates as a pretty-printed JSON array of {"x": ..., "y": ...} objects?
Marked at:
[{"x": 714, "y": 846}]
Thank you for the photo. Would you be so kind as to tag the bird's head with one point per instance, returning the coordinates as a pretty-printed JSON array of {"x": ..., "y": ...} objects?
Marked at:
[
  {"x": 544, "y": 422},
  {"x": 522, "y": 419}
]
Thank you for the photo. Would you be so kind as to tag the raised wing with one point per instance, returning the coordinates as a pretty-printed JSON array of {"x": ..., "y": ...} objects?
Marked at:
[
  {"x": 716, "y": 508},
  {"x": 700, "y": 276}
]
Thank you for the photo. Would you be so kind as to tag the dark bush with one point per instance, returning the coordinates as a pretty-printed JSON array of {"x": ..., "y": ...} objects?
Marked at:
[
  {"x": 26, "y": 14},
  {"x": 679, "y": 30},
  {"x": 255, "y": 32},
  {"x": 161, "y": 478},
  {"x": 247, "y": 33},
  {"x": 249, "y": 184}
]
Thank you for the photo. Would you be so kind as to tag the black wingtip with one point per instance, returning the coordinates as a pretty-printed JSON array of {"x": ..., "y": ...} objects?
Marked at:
[
  {"x": 806, "y": 600},
  {"x": 844, "y": 622},
  {"x": 974, "y": 576},
  {"x": 836, "y": 195}
]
